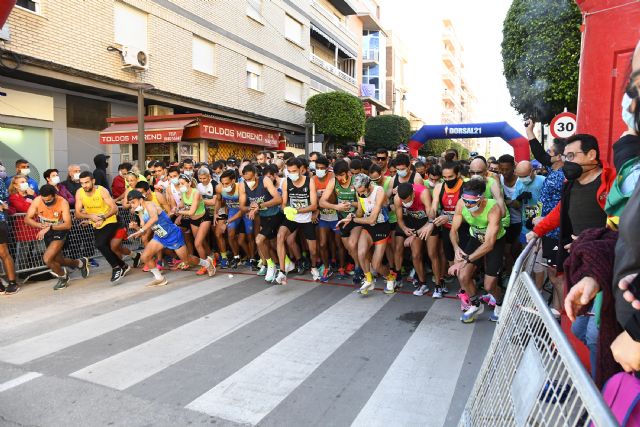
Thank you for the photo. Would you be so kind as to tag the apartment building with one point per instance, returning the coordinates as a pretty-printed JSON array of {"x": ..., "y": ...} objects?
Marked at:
[
  {"x": 222, "y": 78},
  {"x": 396, "y": 87}
]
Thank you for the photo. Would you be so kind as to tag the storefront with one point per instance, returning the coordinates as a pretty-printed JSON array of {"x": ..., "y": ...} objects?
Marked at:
[{"x": 193, "y": 136}]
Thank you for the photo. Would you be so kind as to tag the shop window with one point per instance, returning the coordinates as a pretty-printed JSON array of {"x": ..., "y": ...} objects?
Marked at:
[
  {"x": 293, "y": 91},
  {"x": 130, "y": 26},
  {"x": 87, "y": 113},
  {"x": 254, "y": 75},
  {"x": 32, "y": 5},
  {"x": 203, "y": 52}
]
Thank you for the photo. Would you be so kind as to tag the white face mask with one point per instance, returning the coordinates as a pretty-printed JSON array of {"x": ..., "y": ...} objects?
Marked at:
[
  {"x": 23, "y": 186},
  {"x": 174, "y": 181},
  {"x": 139, "y": 208},
  {"x": 474, "y": 208},
  {"x": 526, "y": 180},
  {"x": 627, "y": 115},
  {"x": 227, "y": 189},
  {"x": 55, "y": 180},
  {"x": 321, "y": 173},
  {"x": 477, "y": 177},
  {"x": 250, "y": 183},
  {"x": 312, "y": 165},
  {"x": 183, "y": 189},
  {"x": 294, "y": 176},
  {"x": 25, "y": 172},
  {"x": 407, "y": 204},
  {"x": 402, "y": 173},
  {"x": 76, "y": 176},
  {"x": 188, "y": 173}
]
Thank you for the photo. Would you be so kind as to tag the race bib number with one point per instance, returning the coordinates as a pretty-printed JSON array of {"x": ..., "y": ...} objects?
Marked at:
[
  {"x": 159, "y": 231},
  {"x": 532, "y": 211}
]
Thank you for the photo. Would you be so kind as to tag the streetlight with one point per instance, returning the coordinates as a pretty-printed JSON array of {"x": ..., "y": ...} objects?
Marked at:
[{"x": 141, "y": 87}]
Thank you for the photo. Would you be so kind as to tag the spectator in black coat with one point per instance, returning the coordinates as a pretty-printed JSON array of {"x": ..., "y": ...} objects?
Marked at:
[{"x": 100, "y": 174}]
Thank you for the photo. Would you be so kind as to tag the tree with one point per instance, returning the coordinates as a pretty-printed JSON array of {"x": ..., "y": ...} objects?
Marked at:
[
  {"x": 338, "y": 115},
  {"x": 540, "y": 53},
  {"x": 386, "y": 131},
  {"x": 435, "y": 147}
]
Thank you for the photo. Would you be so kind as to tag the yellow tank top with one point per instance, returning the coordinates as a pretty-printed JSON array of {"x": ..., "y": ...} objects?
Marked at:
[{"x": 96, "y": 205}]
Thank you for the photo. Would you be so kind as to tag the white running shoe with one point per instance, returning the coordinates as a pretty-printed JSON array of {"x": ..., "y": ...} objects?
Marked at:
[
  {"x": 421, "y": 291},
  {"x": 211, "y": 268},
  {"x": 391, "y": 286},
  {"x": 366, "y": 287},
  {"x": 437, "y": 293},
  {"x": 315, "y": 274},
  {"x": 289, "y": 266},
  {"x": 157, "y": 282},
  {"x": 495, "y": 316},
  {"x": 271, "y": 274},
  {"x": 470, "y": 315},
  {"x": 262, "y": 271},
  {"x": 281, "y": 279}
]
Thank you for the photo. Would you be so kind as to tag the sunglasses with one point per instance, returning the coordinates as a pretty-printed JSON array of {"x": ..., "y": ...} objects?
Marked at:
[
  {"x": 470, "y": 202},
  {"x": 381, "y": 159}
]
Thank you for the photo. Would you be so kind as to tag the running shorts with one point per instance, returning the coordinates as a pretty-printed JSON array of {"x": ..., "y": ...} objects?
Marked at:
[
  {"x": 308, "y": 229},
  {"x": 493, "y": 261},
  {"x": 379, "y": 232},
  {"x": 269, "y": 225},
  {"x": 54, "y": 235}
]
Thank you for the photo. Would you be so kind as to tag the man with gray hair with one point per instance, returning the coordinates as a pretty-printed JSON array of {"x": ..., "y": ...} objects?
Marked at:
[{"x": 72, "y": 183}]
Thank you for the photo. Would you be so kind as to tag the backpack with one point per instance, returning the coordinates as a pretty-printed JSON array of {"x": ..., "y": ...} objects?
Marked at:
[{"x": 622, "y": 395}]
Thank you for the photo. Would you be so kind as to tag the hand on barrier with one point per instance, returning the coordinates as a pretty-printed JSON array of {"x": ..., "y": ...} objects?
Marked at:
[
  {"x": 579, "y": 297},
  {"x": 531, "y": 235},
  {"x": 628, "y": 295},
  {"x": 626, "y": 351},
  {"x": 568, "y": 247},
  {"x": 290, "y": 213}
]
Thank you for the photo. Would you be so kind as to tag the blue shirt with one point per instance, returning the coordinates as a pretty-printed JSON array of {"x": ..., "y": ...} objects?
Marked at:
[
  {"x": 4, "y": 198},
  {"x": 512, "y": 193},
  {"x": 32, "y": 183},
  {"x": 531, "y": 208},
  {"x": 551, "y": 194}
]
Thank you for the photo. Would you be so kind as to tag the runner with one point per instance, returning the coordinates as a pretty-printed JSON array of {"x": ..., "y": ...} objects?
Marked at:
[
  {"x": 165, "y": 235},
  {"x": 192, "y": 208},
  {"x": 251, "y": 192},
  {"x": 94, "y": 203},
  {"x": 386, "y": 182},
  {"x": 328, "y": 218},
  {"x": 486, "y": 244},
  {"x": 231, "y": 222},
  {"x": 50, "y": 213},
  {"x": 5, "y": 256}
]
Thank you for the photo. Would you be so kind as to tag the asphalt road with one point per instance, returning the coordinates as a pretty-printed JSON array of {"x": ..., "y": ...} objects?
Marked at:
[{"x": 232, "y": 350}]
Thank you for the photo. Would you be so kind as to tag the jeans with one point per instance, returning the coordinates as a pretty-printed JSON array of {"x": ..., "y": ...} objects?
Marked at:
[{"x": 586, "y": 330}]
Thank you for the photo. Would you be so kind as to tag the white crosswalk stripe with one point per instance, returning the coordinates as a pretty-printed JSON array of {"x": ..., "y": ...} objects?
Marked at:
[
  {"x": 50, "y": 342},
  {"x": 138, "y": 363},
  {"x": 252, "y": 392}
]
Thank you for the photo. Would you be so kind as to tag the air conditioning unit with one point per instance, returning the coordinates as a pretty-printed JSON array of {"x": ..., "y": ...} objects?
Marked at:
[{"x": 135, "y": 58}]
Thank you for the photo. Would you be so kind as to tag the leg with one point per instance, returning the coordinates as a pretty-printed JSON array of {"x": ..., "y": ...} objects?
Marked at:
[
  {"x": 417, "y": 251},
  {"x": 52, "y": 257},
  {"x": 103, "y": 238},
  {"x": 7, "y": 262},
  {"x": 323, "y": 234},
  {"x": 283, "y": 235},
  {"x": 201, "y": 233}
]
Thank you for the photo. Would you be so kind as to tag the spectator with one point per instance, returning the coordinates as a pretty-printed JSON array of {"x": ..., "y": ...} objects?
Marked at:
[
  {"x": 22, "y": 168},
  {"x": 72, "y": 183},
  {"x": 53, "y": 178},
  {"x": 20, "y": 195},
  {"x": 3, "y": 175},
  {"x": 100, "y": 173},
  {"x": 118, "y": 184}
]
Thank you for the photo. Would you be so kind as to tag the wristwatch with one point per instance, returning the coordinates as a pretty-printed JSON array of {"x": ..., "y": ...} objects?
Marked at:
[{"x": 466, "y": 258}]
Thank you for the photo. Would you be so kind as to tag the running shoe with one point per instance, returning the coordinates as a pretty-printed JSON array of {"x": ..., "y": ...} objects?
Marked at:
[
  {"x": 472, "y": 313},
  {"x": 495, "y": 316},
  {"x": 136, "y": 260},
  {"x": 124, "y": 270},
  {"x": 465, "y": 302},
  {"x": 262, "y": 271},
  {"x": 12, "y": 289},
  {"x": 326, "y": 275},
  {"x": 437, "y": 293},
  {"x": 300, "y": 267},
  {"x": 271, "y": 274},
  {"x": 116, "y": 274},
  {"x": 443, "y": 287},
  {"x": 315, "y": 274},
  {"x": 63, "y": 282},
  {"x": 350, "y": 269},
  {"x": 390, "y": 288},
  {"x": 211, "y": 267},
  {"x": 342, "y": 274},
  {"x": 289, "y": 266},
  {"x": 306, "y": 263},
  {"x": 411, "y": 276},
  {"x": 366, "y": 287},
  {"x": 224, "y": 263},
  {"x": 2, "y": 288},
  {"x": 84, "y": 267},
  {"x": 202, "y": 271},
  {"x": 157, "y": 282},
  {"x": 281, "y": 278},
  {"x": 94, "y": 263},
  {"x": 233, "y": 263},
  {"x": 358, "y": 276},
  {"x": 423, "y": 289},
  {"x": 253, "y": 264},
  {"x": 488, "y": 299}
]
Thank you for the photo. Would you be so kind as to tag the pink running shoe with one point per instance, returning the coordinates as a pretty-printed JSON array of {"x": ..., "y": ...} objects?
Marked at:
[
  {"x": 465, "y": 302},
  {"x": 488, "y": 299}
]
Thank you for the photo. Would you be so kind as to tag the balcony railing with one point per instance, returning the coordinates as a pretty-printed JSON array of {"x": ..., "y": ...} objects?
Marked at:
[
  {"x": 332, "y": 69},
  {"x": 333, "y": 19},
  {"x": 371, "y": 55}
]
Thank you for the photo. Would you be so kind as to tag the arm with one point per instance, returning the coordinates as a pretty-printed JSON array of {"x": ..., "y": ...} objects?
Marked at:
[
  {"x": 273, "y": 191},
  {"x": 243, "y": 199},
  {"x": 372, "y": 219},
  {"x": 144, "y": 226},
  {"x": 537, "y": 149},
  {"x": 113, "y": 208},
  {"x": 397, "y": 205},
  {"x": 285, "y": 194},
  {"x": 455, "y": 227},
  {"x": 418, "y": 179},
  {"x": 125, "y": 199},
  {"x": 325, "y": 200},
  {"x": 163, "y": 202},
  {"x": 435, "y": 201},
  {"x": 19, "y": 203},
  {"x": 490, "y": 237},
  {"x": 31, "y": 213},
  {"x": 549, "y": 222},
  {"x": 496, "y": 192},
  {"x": 194, "y": 206}
]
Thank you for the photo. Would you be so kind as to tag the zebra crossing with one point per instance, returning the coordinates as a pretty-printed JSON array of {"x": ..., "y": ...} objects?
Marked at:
[{"x": 237, "y": 351}]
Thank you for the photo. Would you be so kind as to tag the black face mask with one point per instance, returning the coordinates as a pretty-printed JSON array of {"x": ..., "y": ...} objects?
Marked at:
[
  {"x": 573, "y": 171},
  {"x": 451, "y": 182},
  {"x": 50, "y": 202},
  {"x": 364, "y": 195}
]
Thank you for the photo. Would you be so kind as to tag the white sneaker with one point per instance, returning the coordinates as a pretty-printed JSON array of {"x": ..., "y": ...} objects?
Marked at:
[
  {"x": 281, "y": 279},
  {"x": 437, "y": 293},
  {"x": 157, "y": 282},
  {"x": 496, "y": 314},
  {"x": 315, "y": 274},
  {"x": 211, "y": 267},
  {"x": 289, "y": 266},
  {"x": 262, "y": 271},
  {"x": 390, "y": 288},
  {"x": 366, "y": 287},
  {"x": 421, "y": 291},
  {"x": 470, "y": 315},
  {"x": 271, "y": 273}
]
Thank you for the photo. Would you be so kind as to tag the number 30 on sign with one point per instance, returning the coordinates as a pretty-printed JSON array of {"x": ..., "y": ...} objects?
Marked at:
[{"x": 563, "y": 125}]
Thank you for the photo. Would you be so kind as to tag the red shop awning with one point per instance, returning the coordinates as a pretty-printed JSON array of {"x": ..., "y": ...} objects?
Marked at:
[{"x": 154, "y": 132}]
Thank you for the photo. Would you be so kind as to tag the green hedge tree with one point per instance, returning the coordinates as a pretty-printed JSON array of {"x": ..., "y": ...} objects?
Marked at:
[
  {"x": 386, "y": 131},
  {"x": 540, "y": 54},
  {"x": 337, "y": 115}
]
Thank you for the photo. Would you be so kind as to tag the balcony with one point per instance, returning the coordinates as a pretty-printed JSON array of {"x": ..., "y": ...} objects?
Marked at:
[
  {"x": 339, "y": 24},
  {"x": 449, "y": 59},
  {"x": 332, "y": 69},
  {"x": 448, "y": 117},
  {"x": 449, "y": 79},
  {"x": 371, "y": 56}
]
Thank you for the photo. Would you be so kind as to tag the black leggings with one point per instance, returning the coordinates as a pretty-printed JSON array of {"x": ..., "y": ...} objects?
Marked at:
[{"x": 103, "y": 238}]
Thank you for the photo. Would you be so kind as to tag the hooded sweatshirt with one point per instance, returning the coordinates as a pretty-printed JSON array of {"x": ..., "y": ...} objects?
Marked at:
[{"x": 100, "y": 174}]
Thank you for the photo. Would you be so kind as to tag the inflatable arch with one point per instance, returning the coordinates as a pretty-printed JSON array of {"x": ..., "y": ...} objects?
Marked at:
[{"x": 519, "y": 143}]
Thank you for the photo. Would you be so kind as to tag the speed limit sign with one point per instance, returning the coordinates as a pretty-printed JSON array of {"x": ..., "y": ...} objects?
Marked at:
[{"x": 563, "y": 125}]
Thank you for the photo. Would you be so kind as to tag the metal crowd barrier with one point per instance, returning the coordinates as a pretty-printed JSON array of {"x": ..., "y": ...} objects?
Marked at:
[
  {"x": 531, "y": 375},
  {"x": 27, "y": 251}
]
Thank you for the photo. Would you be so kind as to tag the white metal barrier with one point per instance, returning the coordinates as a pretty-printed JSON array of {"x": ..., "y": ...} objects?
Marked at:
[{"x": 531, "y": 375}]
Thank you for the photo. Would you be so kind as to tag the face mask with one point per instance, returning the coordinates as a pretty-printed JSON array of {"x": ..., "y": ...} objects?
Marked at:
[
  {"x": 139, "y": 208},
  {"x": 407, "y": 204},
  {"x": 183, "y": 189},
  {"x": 50, "y": 202},
  {"x": 474, "y": 208},
  {"x": 312, "y": 165},
  {"x": 402, "y": 173},
  {"x": 477, "y": 177},
  {"x": 363, "y": 195},
  {"x": 55, "y": 180},
  {"x": 76, "y": 176},
  {"x": 3, "y": 175},
  {"x": 227, "y": 189},
  {"x": 250, "y": 183},
  {"x": 572, "y": 170},
  {"x": 627, "y": 116},
  {"x": 526, "y": 180},
  {"x": 321, "y": 173},
  {"x": 25, "y": 172},
  {"x": 451, "y": 182},
  {"x": 294, "y": 176},
  {"x": 188, "y": 173},
  {"x": 23, "y": 186},
  {"x": 174, "y": 181}
]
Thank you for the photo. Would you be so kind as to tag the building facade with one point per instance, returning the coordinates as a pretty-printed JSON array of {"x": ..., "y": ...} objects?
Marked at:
[
  {"x": 248, "y": 67},
  {"x": 396, "y": 87}
]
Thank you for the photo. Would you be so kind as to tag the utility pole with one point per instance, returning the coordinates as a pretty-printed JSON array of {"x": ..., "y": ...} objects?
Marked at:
[{"x": 141, "y": 87}]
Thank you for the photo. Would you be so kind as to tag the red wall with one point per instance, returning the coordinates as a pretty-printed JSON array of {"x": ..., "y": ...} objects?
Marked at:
[{"x": 611, "y": 32}]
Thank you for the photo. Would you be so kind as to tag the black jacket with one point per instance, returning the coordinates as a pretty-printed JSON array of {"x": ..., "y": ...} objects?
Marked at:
[{"x": 100, "y": 174}]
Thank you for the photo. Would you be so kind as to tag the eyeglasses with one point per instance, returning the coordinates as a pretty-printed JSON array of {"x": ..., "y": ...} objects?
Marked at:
[
  {"x": 470, "y": 202},
  {"x": 381, "y": 159},
  {"x": 476, "y": 172},
  {"x": 571, "y": 156}
]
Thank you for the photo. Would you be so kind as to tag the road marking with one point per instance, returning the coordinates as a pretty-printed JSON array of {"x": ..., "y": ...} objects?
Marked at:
[
  {"x": 255, "y": 390},
  {"x": 33, "y": 348},
  {"x": 18, "y": 381},
  {"x": 129, "y": 367},
  {"x": 426, "y": 370}
]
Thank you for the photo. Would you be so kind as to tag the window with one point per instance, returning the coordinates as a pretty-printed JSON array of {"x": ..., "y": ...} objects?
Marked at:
[
  {"x": 254, "y": 9},
  {"x": 254, "y": 75},
  {"x": 32, "y": 5},
  {"x": 203, "y": 52},
  {"x": 130, "y": 26},
  {"x": 293, "y": 90},
  {"x": 293, "y": 30},
  {"x": 87, "y": 113}
]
